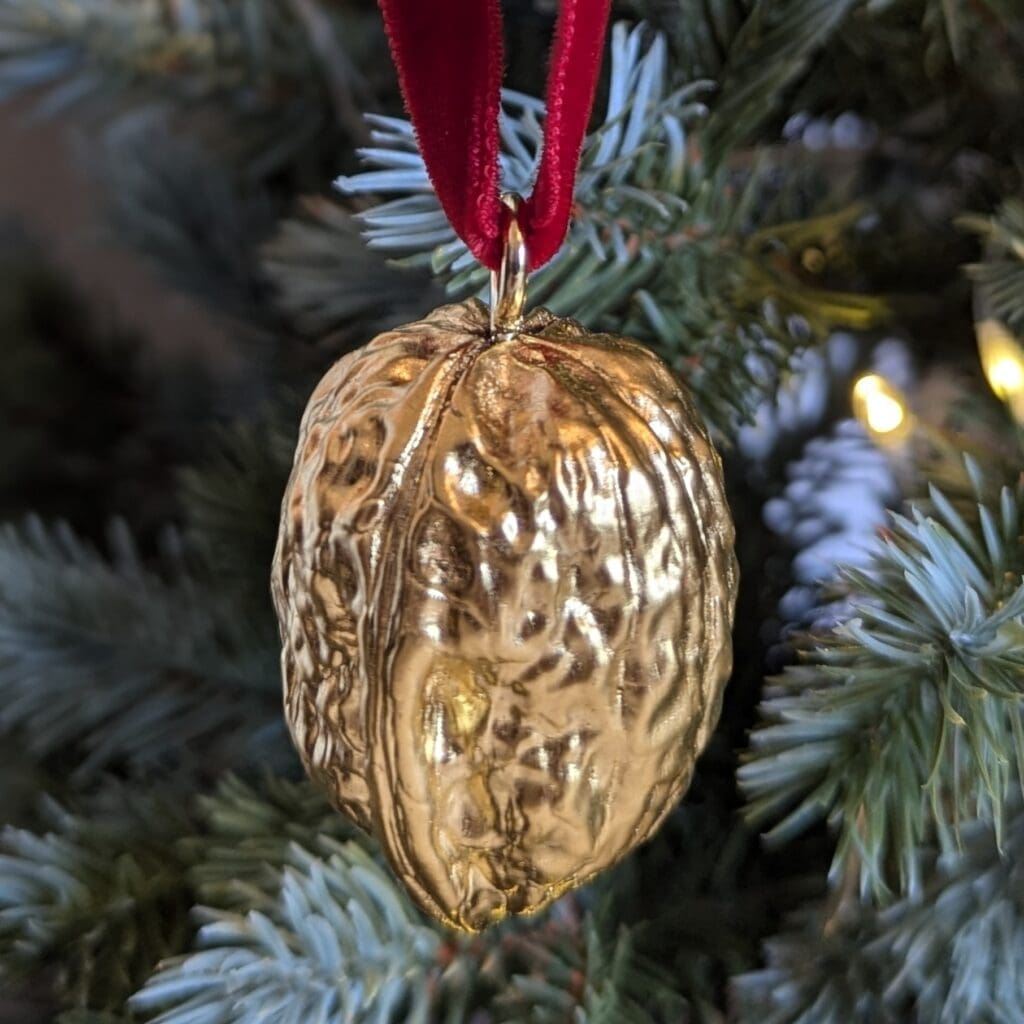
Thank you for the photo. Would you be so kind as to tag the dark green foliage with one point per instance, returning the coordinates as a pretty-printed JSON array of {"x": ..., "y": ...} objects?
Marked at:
[
  {"x": 999, "y": 278},
  {"x": 328, "y": 283},
  {"x": 232, "y": 503},
  {"x": 282, "y": 75},
  {"x": 98, "y": 899},
  {"x": 299, "y": 918},
  {"x": 754, "y": 51},
  {"x": 106, "y": 661},
  {"x": 264, "y": 852},
  {"x": 700, "y": 32},
  {"x": 942, "y": 73},
  {"x": 85, "y": 430},
  {"x": 337, "y": 944},
  {"x": 250, "y": 835},
  {"x": 569, "y": 971},
  {"x": 771, "y": 48},
  {"x": 953, "y": 955},
  {"x": 188, "y": 214}
]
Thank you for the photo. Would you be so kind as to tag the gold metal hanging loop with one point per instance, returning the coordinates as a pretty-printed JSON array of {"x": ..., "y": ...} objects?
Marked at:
[{"x": 508, "y": 282}]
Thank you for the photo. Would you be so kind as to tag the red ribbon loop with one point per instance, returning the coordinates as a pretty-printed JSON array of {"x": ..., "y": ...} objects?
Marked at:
[{"x": 449, "y": 56}]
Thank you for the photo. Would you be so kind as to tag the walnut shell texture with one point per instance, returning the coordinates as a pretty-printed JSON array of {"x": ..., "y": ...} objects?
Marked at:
[{"x": 505, "y": 581}]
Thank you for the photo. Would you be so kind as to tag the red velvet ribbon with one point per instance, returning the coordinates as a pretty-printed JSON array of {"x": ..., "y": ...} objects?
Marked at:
[{"x": 450, "y": 63}]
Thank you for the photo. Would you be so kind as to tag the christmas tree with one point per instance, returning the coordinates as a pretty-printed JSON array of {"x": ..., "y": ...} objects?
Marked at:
[{"x": 813, "y": 210}]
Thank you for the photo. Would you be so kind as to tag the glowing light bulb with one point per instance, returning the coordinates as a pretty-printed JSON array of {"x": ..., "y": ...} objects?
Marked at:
[
  {"x": 1002, "y": 359},
  {"x": 881, "y": 408},
  {"x": 1006, "y": 376}
]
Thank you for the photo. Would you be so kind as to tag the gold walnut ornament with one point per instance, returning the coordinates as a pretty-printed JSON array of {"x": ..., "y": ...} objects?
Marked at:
[{"x": 505, "y": 582}]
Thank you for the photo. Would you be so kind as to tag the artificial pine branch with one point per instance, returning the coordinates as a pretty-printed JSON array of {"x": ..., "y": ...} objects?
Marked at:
[
  {"x": 337, "y": 943},
  {"x": 771, "y": 49},
  {"x": 255, "y": 61},
  {"x": 700, "y": 32},
  {"x": 327, "y": 283},
  {"x": 188, "y": 214},
  {"x": 662, "y": 247},
  {"x": 907, "y": 719},
  {"x": 976, "y": 30},
  {"x": 934, "y": 72},
  {"x": 232, "y": 504},
  {"x": 211, "y": 233},
  {"x": 249, "y": 834},
  {"x": 97, "y": 900},
  {"x": 955, "y": 954},
  {"x": 1000, "y": 275},
  {"x": 634, "y": 180},
  {"x": 109, "y": 661},
  {"x": 570, "y": 971},
  {"x": 264, "y": 852},
  {"x": 756, "y": 50},
  {"x": 345, "y": 84},
  {"x": 61, "y": 451}
]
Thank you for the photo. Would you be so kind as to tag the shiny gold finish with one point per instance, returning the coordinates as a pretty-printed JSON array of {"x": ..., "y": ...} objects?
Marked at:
[
  {"x": 508, "y": 282},
  {"x": 505, "y": 580}
]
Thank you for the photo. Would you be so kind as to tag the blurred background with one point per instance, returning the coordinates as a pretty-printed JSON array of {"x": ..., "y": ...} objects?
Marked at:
[{"x": 812, "y": 209}]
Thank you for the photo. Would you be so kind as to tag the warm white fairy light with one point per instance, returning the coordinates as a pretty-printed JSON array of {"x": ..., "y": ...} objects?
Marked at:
[
  {"x": 1005, "y": 376},
  {"x": 881, "y": 408},
  {"x": 1002, "y": 359}
]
